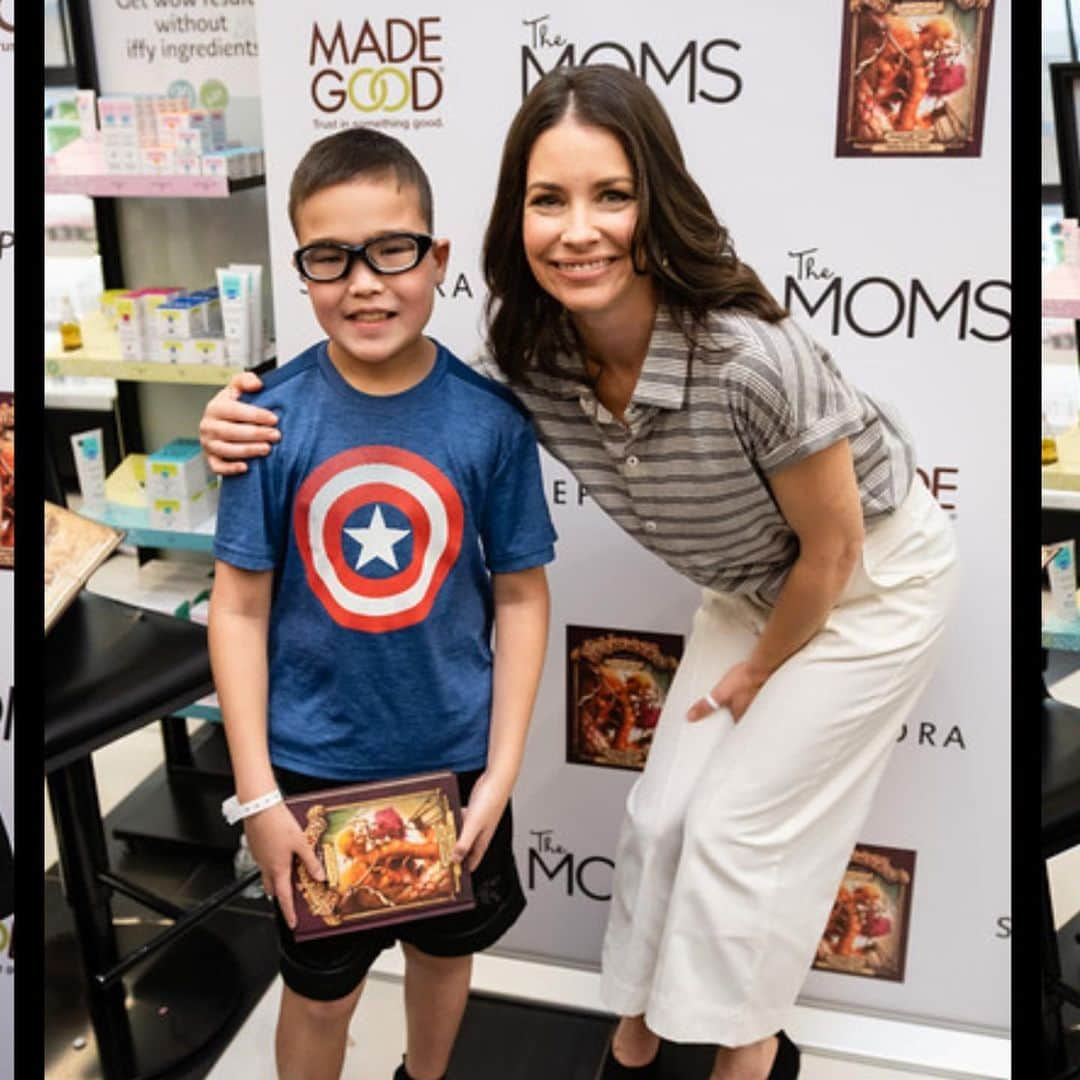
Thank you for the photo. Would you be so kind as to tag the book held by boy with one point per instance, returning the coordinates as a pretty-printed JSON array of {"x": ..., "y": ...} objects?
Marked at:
[{"x": 386, "y": 847}]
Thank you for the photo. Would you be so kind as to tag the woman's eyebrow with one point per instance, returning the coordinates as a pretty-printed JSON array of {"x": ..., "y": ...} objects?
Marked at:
[{"x": 603, "y": 182}]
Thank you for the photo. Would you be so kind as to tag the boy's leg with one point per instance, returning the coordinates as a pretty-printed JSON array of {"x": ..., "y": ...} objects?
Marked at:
[
  {"x": 311, "y": 1035},
  {"x": 436, "y": 991}
]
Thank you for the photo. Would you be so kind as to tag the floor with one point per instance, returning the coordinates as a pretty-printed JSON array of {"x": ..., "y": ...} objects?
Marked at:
[{"x": 499, "y": 1038}]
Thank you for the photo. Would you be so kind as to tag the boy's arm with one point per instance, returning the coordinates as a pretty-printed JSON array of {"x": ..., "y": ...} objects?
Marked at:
[
  {"x": 521, "y": 626},
  {"x": 238, "y": 626}
]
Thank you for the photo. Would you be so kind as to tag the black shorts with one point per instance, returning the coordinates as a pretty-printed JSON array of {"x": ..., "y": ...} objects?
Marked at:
[{"x": 329, "y": 968}]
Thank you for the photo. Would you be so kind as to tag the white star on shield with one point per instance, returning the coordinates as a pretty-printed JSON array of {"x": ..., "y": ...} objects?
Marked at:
[{"x": 377, "y": 541}]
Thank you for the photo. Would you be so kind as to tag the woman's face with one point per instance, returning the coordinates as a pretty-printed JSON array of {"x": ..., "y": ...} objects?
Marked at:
[{"x": 578, "y": 222}]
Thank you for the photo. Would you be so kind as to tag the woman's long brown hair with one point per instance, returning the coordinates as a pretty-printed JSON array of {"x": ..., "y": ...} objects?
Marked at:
[{"x": 677, "y": 238}]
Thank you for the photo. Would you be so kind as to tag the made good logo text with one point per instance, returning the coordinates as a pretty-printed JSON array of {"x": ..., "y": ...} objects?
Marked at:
[{"x": 382, "y": 67}]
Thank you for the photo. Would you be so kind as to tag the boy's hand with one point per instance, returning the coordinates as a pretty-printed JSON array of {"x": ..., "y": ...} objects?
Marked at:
[
  {"x": 231, "y": 430},
  {"x": 486, "y": 804},
  {"x": 274, "y": 838}
]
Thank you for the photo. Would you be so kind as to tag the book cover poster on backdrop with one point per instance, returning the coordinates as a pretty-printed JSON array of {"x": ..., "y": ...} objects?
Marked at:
[{"x": 897, "y": 263}]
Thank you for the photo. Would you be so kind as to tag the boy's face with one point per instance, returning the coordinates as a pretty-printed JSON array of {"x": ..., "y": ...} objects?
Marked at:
[{"x": 370, "y": 318}]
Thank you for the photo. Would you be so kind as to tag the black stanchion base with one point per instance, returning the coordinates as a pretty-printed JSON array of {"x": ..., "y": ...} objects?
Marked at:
[{"x": 179, "y": 1000}]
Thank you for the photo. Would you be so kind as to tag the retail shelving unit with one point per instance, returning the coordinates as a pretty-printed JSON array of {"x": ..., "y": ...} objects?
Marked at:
[
  {"x": 156, "y": 810},
  {"x": 152, "y": 187}
]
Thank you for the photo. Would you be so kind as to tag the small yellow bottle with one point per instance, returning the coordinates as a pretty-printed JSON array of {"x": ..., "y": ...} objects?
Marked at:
[
  {"x": 1049, "y": 443},
  {"x": 70, "y": 332}
]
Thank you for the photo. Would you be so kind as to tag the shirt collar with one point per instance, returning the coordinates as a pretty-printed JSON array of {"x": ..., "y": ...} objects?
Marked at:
[{"x": 662, "y": 382}]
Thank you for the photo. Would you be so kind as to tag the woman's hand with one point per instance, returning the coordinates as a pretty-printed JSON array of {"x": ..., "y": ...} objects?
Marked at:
[
  {"x": 231, "y": 430},
  {"x": 734, "y": 692},
  {"x": 274, "y": 838},
  {"x": 487, "y": 800}
]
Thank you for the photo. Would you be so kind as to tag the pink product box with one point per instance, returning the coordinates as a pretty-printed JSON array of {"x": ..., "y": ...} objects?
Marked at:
[
  {"x": 190, "y": 140},
  {"x": 170, "y": 125},
  {"x": 156, "y": 160},
  {"x": 116, "y": 112},
  {"x": 187, "y": 164},
  {"x": 121, "y": 160}
]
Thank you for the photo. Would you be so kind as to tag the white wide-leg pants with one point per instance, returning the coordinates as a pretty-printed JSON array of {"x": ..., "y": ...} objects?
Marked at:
[{"x": 736, "y": 836}]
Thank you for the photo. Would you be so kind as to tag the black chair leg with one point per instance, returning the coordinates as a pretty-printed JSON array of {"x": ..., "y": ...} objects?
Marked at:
[{"x": 81, "y": 842}]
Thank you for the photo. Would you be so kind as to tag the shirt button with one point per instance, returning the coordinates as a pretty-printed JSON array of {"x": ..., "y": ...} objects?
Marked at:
[
  {"x": 633, "y": 461},
  {"x": 650, "y": 526}
]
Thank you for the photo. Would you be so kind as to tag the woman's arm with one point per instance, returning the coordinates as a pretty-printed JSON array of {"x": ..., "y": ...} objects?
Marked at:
[
  {"x": 819, "y": 499},
  {"x": 238, "y": 626},
  {"x": 521, "y": 626},
  {"x": 231, "y": 430}
]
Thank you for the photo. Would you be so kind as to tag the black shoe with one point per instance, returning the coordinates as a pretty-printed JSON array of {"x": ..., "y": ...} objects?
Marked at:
[
  {"x": 613, "y": 1069},
  {"x": 400, "y": 1072},
  {"x": 785, "y": 1065}
]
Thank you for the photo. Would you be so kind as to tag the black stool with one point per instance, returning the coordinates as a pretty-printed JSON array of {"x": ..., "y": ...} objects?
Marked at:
[
  {"x": 111, "y": 668},
  {"x": 1060, "y": 735}
]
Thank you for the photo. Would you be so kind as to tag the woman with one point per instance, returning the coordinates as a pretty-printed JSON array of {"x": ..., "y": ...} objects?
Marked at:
[{"x": 657, "y": 367}]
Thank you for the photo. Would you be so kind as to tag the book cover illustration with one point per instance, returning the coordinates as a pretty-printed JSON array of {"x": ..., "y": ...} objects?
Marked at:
[
  {"x": 7, "y": 481},
  {"x": 913, "y": 77},
  {"x": 867, "y": 930},
  {"x": 386, "y": 847},
  {"x": 616, "y": 683},
  {"x": 75, "y": 547}
]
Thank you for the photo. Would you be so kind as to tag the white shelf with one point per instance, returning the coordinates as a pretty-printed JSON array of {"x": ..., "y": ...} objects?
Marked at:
[
  {"x": 110, "y": 185},
  {"x": 100, "y": 357},
  {"x": 1060, "y": 500}
]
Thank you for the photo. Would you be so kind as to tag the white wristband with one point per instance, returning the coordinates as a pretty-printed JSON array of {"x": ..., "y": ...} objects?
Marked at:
[{"x": 235, "y": 811}]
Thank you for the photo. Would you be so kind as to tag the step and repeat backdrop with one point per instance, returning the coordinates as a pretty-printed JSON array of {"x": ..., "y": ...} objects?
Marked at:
[{"x": 858, "y": 150}]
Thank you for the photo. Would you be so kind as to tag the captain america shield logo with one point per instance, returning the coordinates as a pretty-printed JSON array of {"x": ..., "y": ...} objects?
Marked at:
[{"x": 378, "y": 529}]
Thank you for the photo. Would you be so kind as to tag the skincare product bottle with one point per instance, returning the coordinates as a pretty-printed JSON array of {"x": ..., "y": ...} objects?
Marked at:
[
  {"x": 88, "y": 448},
  {"x": 70, "y": 333},
  {"x": 1062, "y": 574}
]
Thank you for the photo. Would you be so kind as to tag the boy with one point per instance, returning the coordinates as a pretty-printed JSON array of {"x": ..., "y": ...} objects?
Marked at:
[{"x": 359, "y": 570}]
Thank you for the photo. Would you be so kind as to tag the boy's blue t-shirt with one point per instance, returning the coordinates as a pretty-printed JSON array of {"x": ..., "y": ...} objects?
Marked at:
[{"x": 382, "y": 518}]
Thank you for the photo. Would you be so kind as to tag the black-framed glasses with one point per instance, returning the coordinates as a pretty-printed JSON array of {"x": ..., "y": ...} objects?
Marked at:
[{"x": 391, "y": 254}]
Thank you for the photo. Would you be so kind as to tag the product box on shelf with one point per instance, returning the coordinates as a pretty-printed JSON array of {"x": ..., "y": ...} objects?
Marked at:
[
  {"x": 169, "y": 351},
  {"x": 121, "y": 160},
  {"x": 183, "y": 316},
  {"x": 136, "y": 324},
  {"x": 185, "y": 164},
  {"x": 86, "y": 106},
  {"x": 217, "y": 127},
  {"x": 108, "y": 305},
  {"x": 116, "y": 113},
  {"x": 205, "y": 350},
  {"x": 169, "y": 125},
  {"x": 156, "y": 161},
  {"x": 184, "y": 513},
  {"x": 191, "y": 140},
  {"x": 177, "y": 470}
]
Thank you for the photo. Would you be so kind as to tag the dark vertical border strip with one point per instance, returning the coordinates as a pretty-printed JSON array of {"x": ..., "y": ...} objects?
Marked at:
[
  {"x": 1026, "y": 912},
  {"x": 28, "y": 316}
]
